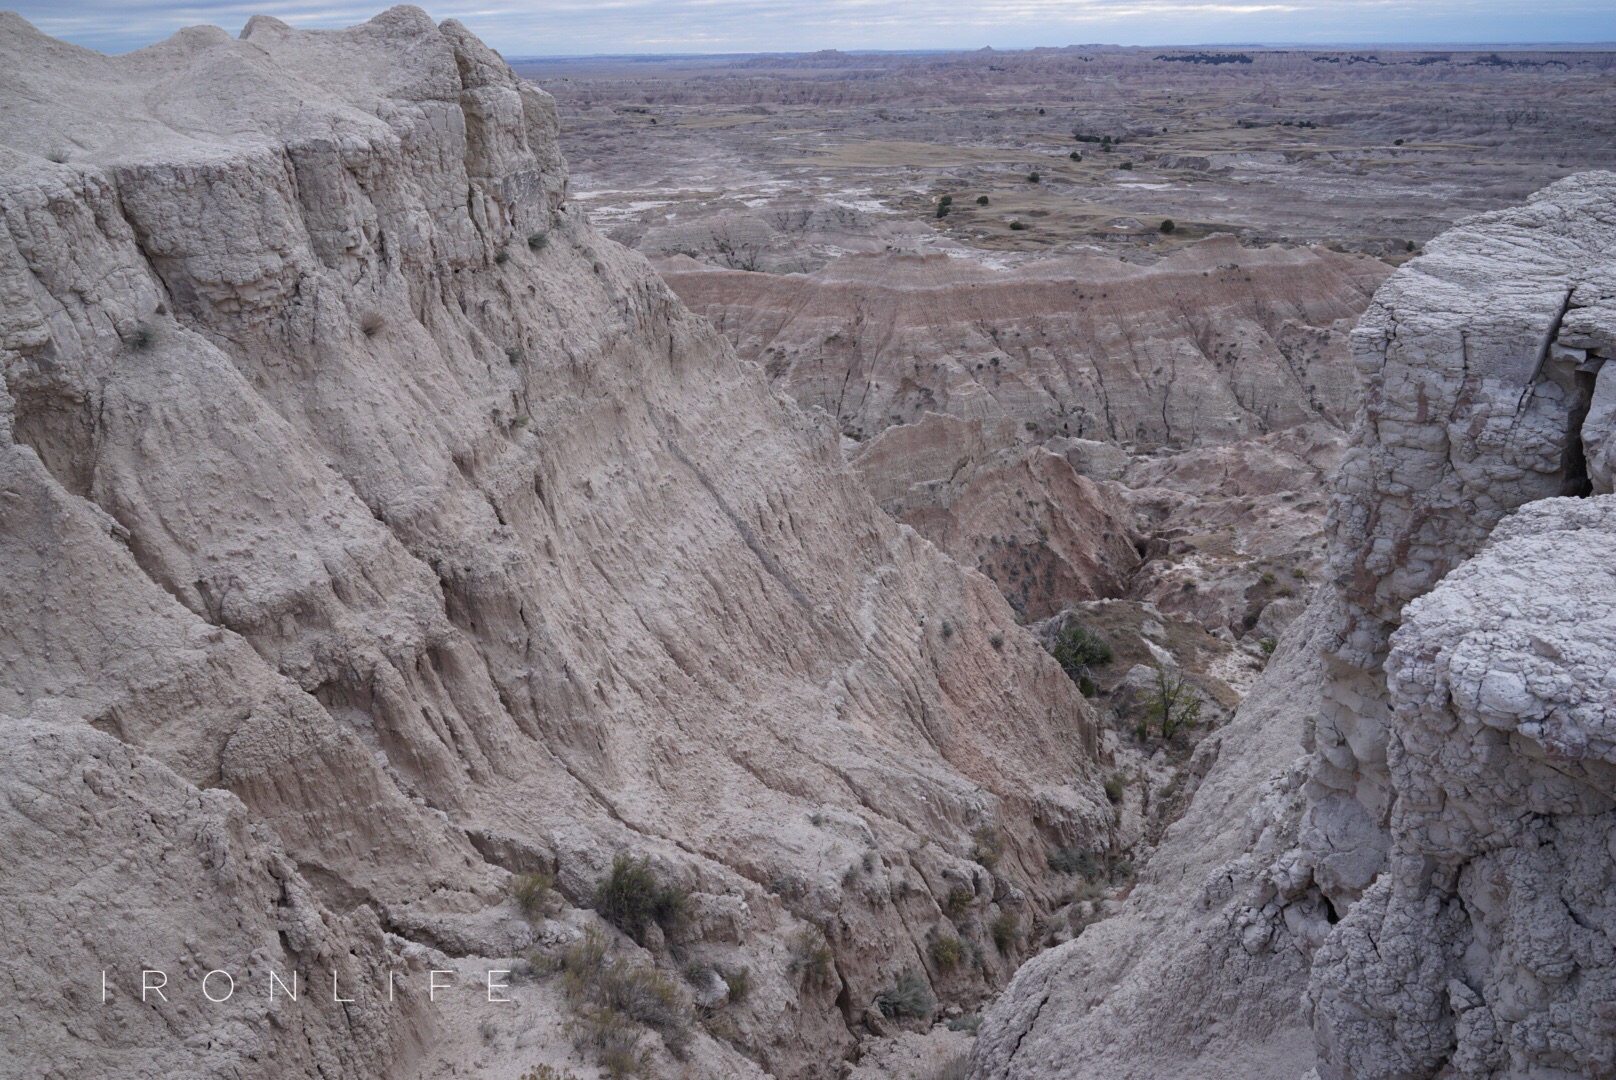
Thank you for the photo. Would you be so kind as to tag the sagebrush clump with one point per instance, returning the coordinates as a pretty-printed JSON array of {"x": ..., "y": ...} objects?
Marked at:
[
  {"x": 631, "y": 899},
  {"x": 910, "y": 997}
]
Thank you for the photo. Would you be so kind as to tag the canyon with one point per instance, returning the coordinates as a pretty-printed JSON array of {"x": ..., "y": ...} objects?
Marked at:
[{"x": 697, "y": 606}]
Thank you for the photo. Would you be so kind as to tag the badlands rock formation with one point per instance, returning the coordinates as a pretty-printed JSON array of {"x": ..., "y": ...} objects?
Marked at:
[
  {"x": 372, "y": 529},
  {"x": 1435, "y": 873}
]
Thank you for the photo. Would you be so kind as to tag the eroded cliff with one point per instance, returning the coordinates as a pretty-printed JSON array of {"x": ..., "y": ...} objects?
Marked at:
[{"x": 395, "y": 532}]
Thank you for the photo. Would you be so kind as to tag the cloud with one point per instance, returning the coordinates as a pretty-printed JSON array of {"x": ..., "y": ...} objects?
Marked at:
[{"x": 563, "y": 27}]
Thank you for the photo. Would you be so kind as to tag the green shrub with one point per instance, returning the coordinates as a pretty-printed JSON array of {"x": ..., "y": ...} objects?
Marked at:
[
  {"x": 1268, "y": 645},
  {"x": 1126, "y": 166},
  {"x": 548, "y": 1072},
  {"x": 948, "y": 629},
  {"x": 910, "y": 997},
  {"x": 981, "y": 200},
  {"x": 592, "y": 978},
  {"x": 996, "y": 640},
  {"x": 958, "y": 902},
  {"x": 988, "y": 846},
  {"x": 536, "y": 241},
  {"x": 1005, "y": 930},
  {"x": 513, "y": 354},
  {"x": 739, "y": 982},
  {"x": 142, "y": 338},
  {"x": 947, "y": 952},
  {"x": 812, "y": 959},
  {"x": 1018, "y": 226},
  {"x": 501, "y": 257},
  {"x": 1171, "y": 705},
  {"x": 1078, "y": 649},
  {"x": 613, "y": 1040},
  {"x": 942, "y": 210},
  {"x": 1076, "y": 861},
  {"x": 1075, "y": 156},
  {"x": 946, "y": 200},
  {"x": 535, "y": 895},
  {"x": 1167, "y": 225},
  {"x": 970, "y": 1022},
  {"x": 1114, "y": 785},
  {"x": 1409, "y": 246},
  {"x": 631, "y": 899},
  {"x": 1032, "y": 178}
]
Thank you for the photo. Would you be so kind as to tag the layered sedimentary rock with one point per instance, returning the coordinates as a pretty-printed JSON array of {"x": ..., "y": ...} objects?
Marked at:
[
  {"x": 395, "y": 532},
  {"x": 1433, "y": 872},
  {"x": 1213, "y": 343}
]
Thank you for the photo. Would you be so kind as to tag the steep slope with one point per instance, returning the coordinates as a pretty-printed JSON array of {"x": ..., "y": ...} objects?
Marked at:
[
  {"x": 1432, "y": 872},
  {"x": 347, "y": 471}
]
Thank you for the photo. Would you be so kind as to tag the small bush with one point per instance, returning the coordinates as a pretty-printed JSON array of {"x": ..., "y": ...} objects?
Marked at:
[
  {"x": 1018, "y": 226},
  {"x": 947, "y": 952},
  {"x": 942, "y": 210},
  {"x": 1268, "y": 645},
  {"x": 613, "y": 1040},
  {"x": 1005, "y": 930},
  {"x": 1172, "y": 705},
  {"x": 1076, "y": 861},
  {"x": 535, "y": 895},
  {"x": 948, "y": 629},
  {"x": 812, "y": 959},
  {"x": 1078, "y": 649},
  {"x": 1268, "y": 578},
  {"x": 1409, "y": 246},
  {"x": 988, "y": 846},
  {"x": 1126, "y": 166},
  {"x": 627, "y": 990},
  {"x": 631, "y": 899},
  {"x": 501, "y": 257},
  {"x": 372, "y": 323},
  {"x": 946, "y": 200},
  {"x": 739, "y": 982},
  {"x": 981, "y": 200},
  {"x": 1114, "y": 784},
  {"x": 1397, "y": 142},
  {"x": 1167, "y": 225},
  {"x": 1032, "y": 178},
  {"x": 141, "y": 339},
  {"x": 1075, "y": 156},
  {"x": 536, "y": 241},
  {"x": 970, "y": 1022},
  {"x": 910, "y": 997},
  {"x": 958, "y": 902},
  {"x": 548, "y": 1072},
  {"x": 996, "y": 640}
]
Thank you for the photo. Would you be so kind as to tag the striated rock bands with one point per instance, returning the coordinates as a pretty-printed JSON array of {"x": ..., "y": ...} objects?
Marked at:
[{"x": 371, "y": 528}]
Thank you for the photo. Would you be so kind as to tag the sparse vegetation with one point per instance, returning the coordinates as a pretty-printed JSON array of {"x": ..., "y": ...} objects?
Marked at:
[
  {"x": 996, "y": 640},
  {"x": 910, "y": 997},
  {"x": 513, "y": 354},
  {"x": 1171, "y": 705},
  {"x": 536, "y": 241},
  {"x": 958, "y": 902},
  {"x": 631, "y": 899},
  {"x": 948, "y": 629},
  {"x": 947, "y": 952},
  {"x": 141, "y": 338},
  {"x": 501, "y": 257},
  {"x": 812, "y": 959},
  {"x": 1126, "y": 166},
  {"x": 1268, "y": 645},
  {"x": 535, "y": 895},
  {"x": 611, "y": 993},
  {"x": 988, "y": 846},
  {"x": 739, "y": 982},
  {"x": 1079, "y": 650},
  {"x": 1114, "y": 785},
  {"x": 549, "y": 1072},
  {"x": 970, "y": 1022},
  {"x": 372, "y": 323},
  {"x": 1005, "y": 930},
  {"x": 982, "y": 200},
  {"x": 1018, "y": 226},
  {"x": 1167, "y": 225},
  {"x": 1077, "y": 861}
]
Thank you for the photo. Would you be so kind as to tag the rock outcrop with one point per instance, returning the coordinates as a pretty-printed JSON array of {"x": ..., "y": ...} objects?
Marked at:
[
  {"x": 1433, "y": 873},
  {"x": 371, "y": 529}
]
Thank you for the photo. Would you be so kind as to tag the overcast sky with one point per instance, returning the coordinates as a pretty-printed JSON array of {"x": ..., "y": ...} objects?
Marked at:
[{"x": 582, "y": 27}]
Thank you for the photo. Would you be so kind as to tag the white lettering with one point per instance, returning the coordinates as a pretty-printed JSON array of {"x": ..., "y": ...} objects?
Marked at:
[
  {"x": 273, "y": 979},
  {"x": 492, "y": 986},
  {"x": 228, "y": 994},
  {"x": 146, "y": 984},
  {"x": 433, "y": 986},
  {"x": 334, "y": 996}
]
